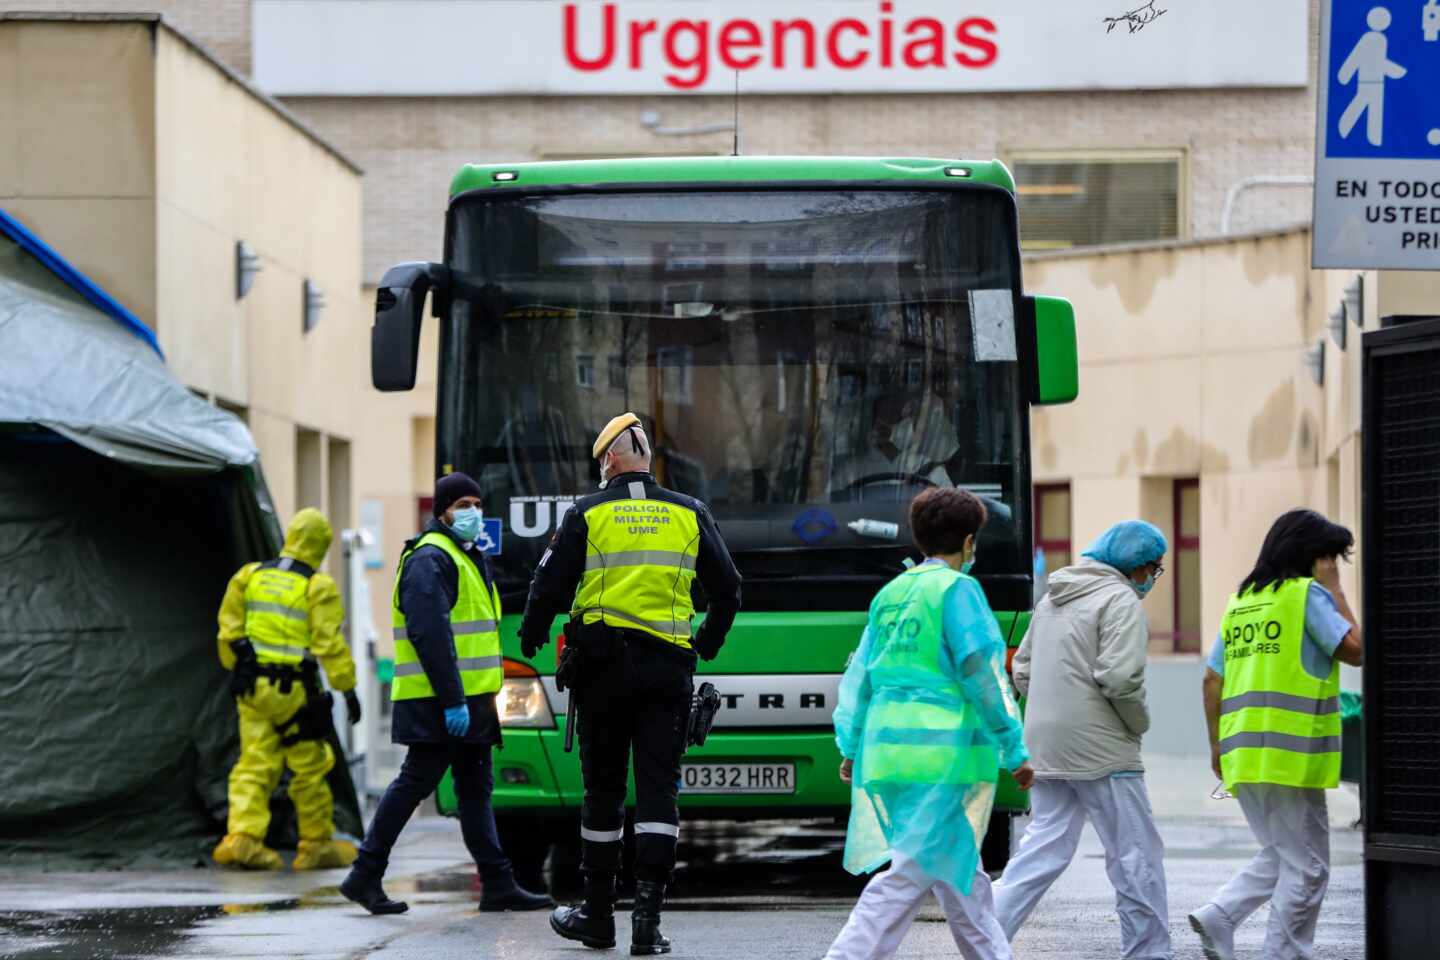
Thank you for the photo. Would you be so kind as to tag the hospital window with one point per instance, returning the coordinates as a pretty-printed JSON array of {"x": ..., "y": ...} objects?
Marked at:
[
  {"x": 1068, "y": 199},
  {"x": 1185, "y": 565},
  {"x": 585, "y": 371},
  {"x": 1052, "y": 524},
  {"x": 674, "y": 365}
]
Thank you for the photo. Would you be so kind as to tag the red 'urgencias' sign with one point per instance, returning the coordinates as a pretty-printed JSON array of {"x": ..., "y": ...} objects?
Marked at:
[{"x": 691, "y": 48}]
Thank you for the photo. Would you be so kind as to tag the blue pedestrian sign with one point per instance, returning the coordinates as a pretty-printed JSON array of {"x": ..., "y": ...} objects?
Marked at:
[
  {"x": 1377, "y": 140},
  {"x": 489, "y": 539}
]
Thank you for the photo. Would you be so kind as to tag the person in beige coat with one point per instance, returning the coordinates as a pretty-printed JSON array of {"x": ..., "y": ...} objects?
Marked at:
[{"x": 1082, "y": 664}]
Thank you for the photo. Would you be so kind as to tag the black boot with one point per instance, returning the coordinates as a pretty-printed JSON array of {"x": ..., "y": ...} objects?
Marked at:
[
  {"x": 593, "y": 922},
  {"x": 364, "y": 888},
  {"x": 645, "y": 937},
  {"x": 504, "y": 893}
]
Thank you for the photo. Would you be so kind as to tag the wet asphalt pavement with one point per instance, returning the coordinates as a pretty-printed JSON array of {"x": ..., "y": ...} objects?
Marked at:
[{"x": 772, "y": 890}]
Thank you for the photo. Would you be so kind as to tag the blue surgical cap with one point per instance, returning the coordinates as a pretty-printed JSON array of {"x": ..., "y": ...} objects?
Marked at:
[{"x": 1128, "y": 545}]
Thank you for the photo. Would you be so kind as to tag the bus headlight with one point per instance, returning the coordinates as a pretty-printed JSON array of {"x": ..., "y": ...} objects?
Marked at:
[{"x": 521, "y": 703}]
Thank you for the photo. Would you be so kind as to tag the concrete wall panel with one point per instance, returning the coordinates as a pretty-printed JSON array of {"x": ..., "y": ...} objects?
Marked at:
[
  {"x": 9, "y": 112},
  {"x": 86, "y": 118},
  {"x": 204, "y": 333},
  {"x": 110, "y": 239},
  {"x": 275, "y": 438}
]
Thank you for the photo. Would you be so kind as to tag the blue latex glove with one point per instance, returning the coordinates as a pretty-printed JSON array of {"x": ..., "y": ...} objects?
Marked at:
[{"x": 457, "y": 720}]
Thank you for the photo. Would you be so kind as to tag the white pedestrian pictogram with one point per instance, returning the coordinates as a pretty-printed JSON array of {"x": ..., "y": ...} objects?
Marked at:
[
  {"x": 1371, "y": 61},
  {"x": 1431, "y": 21}
]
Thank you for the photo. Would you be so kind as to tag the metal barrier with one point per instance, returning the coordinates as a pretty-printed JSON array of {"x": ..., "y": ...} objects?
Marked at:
[{"x": 1401, "y": 569}]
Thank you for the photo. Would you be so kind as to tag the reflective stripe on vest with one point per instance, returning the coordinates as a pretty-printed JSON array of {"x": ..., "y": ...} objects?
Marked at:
[
  {"x": 1278, "y": 724},
  {"x": 918, "y": 728},
  {"x": 639, "y": 563},
  {"x": 277, "y": 615},
  {"x": 473, "y": 623}
]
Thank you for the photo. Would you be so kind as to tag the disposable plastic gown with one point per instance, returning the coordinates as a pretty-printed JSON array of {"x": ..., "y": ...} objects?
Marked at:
[{"x": 940, "y": 826}]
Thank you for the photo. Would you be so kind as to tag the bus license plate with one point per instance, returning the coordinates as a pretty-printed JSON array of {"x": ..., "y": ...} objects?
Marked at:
[{"x": 737, "y": 777}]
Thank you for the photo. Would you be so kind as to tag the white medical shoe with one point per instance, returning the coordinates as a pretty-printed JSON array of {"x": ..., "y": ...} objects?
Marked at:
[{"x": 1216, "y": 932}]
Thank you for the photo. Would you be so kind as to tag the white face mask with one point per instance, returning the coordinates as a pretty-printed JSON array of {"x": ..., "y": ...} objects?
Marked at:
[{"x": 604, "y": 470}]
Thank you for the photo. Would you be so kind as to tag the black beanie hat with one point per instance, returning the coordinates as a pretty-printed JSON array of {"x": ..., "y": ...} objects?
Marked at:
[{"x": 452, "y": 487}]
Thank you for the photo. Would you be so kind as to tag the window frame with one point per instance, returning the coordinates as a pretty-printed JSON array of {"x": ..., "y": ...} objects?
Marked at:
[
  {"x": 1180, "y": 541},
  {"x": 585, "y": 362},
  {"x": 1013, "y": 157},
  {"x": 1038, "y": 492}
]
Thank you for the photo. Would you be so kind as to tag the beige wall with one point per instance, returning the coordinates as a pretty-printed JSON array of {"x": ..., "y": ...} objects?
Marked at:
[
  {"x": 412, "y": 147},
  {"x": 143, "y": 162},
  {"x": 230, "y": 168},
  {"x": 1192, "y": 366},
  {"x": 221, "y": 26},
  {"x": 77, "y": 157}
]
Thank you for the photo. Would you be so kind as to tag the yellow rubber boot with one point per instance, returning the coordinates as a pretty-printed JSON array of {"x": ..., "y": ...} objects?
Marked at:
[
  {"x": 245, "y": 851},
  {"x": 324, "y": 854}
]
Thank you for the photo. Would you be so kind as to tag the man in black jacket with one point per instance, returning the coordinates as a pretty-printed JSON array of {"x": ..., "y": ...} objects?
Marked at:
[
  {"x": 447, "y": 670},
  {"x": 622, "y": 563}
]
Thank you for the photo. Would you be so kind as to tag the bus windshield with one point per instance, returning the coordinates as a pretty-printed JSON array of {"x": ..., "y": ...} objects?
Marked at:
[{"x": 804, "y": 361}]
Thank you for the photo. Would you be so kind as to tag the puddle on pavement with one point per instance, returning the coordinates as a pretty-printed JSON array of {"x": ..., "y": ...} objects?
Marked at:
[
  {"x": 125, "y": 933},
  {"x": 458, "y": 881},
  {"x": 98, "y": 934}
]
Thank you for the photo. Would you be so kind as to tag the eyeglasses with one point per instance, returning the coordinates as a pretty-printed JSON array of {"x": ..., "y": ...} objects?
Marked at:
[{"x": 1220, "y": 793}]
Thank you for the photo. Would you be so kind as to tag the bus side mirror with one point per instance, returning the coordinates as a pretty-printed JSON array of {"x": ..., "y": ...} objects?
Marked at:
[
  {"x": 399, "y": 306},
  {"x": 1057, "y": 359}
]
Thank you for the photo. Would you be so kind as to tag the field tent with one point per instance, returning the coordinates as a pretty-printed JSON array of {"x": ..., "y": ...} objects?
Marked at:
[{"x": 126, "y": 502}]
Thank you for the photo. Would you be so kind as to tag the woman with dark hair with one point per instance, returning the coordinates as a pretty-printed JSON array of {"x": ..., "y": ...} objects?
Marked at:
[
  {"x": 1272, "y": 704},
  {"x": 924, "y": 721}
]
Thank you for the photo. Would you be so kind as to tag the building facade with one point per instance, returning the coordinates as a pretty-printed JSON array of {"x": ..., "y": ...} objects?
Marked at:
[
  {"x": 1163, "y": 170},
  {"x": 159, "y": 173}
]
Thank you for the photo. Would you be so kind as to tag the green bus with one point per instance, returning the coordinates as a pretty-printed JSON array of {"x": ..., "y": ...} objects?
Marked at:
[{"x": 809, "y": 341}]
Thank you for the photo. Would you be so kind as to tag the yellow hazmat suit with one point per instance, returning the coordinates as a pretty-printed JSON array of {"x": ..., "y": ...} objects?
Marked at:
[{"x": 309, "y": 626}]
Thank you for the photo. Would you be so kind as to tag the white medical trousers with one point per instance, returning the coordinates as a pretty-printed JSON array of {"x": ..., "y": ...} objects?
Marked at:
[
  {"x": 1292, "y": 869},
  {"x": 890, "y": 902},
  {"x": 1118, "y": 807}
]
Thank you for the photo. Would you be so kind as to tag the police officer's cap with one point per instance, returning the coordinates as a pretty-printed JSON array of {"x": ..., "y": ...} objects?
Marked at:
[{"x": 612, "y": 431}]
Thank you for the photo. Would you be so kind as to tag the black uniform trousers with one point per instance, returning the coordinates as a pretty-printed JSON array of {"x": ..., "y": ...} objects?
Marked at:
[
  {"x": 634, "y": 698},
  {"x": 425, "y": 765}
]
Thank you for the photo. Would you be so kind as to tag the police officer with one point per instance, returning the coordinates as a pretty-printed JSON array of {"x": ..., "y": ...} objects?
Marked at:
[
  {"x": 1272, "y": 706},
  {"x": 447, "y": 671},
  {"x": 277, "y": 619},
  {"x": 622, "y": 562}
]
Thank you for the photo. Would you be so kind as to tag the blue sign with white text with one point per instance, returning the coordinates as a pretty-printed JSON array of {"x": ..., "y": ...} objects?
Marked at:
[
  {"x": 1383, "y": 91},
  {"x": 489, "y": 539}
]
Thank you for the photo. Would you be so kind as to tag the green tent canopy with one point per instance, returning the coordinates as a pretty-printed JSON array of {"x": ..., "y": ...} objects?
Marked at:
[{"x": 126, "y": 503}]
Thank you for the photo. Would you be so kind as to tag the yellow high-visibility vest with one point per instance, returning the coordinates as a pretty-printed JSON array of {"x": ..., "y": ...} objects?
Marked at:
[
  {"x": 474, "y": 622},
  {"x": 919, "y": 728},
  {"x": 639, "y": 563},
  {"x": 277, "y": 611},
  {"x": 1278, "y": 724}
]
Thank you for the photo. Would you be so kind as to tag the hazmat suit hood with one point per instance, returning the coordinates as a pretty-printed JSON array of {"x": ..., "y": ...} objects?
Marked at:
[
  {"x": 308, "y": 537},
  {"x": 1083, "y": 579}
]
